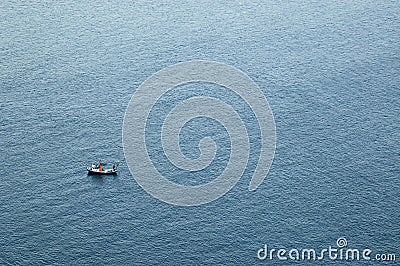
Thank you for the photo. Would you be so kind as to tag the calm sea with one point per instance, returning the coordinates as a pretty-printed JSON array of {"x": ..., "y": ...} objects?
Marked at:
[{"x": 329, "y": 69}]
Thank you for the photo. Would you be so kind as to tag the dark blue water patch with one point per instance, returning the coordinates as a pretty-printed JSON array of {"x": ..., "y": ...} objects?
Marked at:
[{"x": 199, "y": 128}]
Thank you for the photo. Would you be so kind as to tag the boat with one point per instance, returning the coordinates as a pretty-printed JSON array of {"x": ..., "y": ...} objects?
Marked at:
[{"x": 98, "y": 169}]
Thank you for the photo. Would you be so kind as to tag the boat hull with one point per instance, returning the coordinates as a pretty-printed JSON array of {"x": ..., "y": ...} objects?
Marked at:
[{"x": 103, "y": 172}]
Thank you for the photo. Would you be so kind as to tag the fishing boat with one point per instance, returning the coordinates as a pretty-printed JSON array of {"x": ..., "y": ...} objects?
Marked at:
[{"x": 99, "y": 169}]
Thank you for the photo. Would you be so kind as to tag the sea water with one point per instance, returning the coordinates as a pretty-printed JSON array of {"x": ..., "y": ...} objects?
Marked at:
[{"x": 329, "y": 69}]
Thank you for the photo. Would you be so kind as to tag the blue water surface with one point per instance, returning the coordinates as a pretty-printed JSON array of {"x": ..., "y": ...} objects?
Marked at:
[{"x": 329, "y": 69}]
